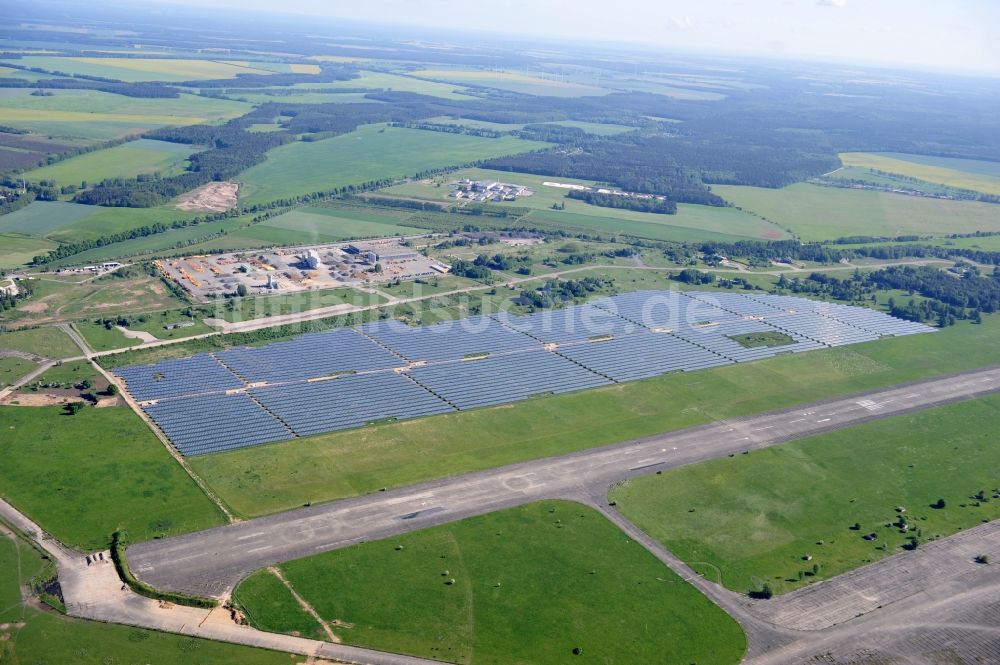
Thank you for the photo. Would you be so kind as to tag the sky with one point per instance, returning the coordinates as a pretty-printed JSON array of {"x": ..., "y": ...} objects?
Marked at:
[{"x": 961, "y": 35}]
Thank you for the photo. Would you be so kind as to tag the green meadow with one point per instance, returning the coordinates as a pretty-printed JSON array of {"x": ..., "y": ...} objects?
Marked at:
[{"x": 549, "y": 582}]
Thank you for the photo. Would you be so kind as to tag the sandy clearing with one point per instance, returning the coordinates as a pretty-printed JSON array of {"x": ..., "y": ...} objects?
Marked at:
[{"x": 213, "y": 197}]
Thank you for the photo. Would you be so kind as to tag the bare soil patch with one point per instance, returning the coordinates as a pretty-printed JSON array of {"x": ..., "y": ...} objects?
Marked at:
[{"x": 213, "y": 197}]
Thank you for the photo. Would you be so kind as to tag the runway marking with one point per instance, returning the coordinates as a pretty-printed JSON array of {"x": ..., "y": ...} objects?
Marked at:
[
  {"x": 761, "y": 429},
  {"x": 797, "y": 420},
  {"x": 260, "y": 549},
  {"x": 251, "y": 535},
  {"x": 411, "y": 497},
  {"x": 823, "y": 420}
]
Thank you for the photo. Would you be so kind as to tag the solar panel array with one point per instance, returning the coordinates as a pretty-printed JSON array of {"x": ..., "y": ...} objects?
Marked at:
[
  {"x": 500, "y": 379},
  {"x": 213, "y": 423},
  {"x": 666, "y": 310},
  {"x": 450, "y": 340},
  {"x": 386, "y": 370},
  {"x": 173, "y": 378},
  {"x": 309, "y": 356},
  {"x": 348, "y": 401},
  {"x": 641, "y": 356},
  {"x": 576, "y": 323},
  {"x": 719, "y": 339}
]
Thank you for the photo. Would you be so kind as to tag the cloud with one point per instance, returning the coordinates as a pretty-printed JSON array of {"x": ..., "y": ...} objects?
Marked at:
[{"x": 831, "y": 3}]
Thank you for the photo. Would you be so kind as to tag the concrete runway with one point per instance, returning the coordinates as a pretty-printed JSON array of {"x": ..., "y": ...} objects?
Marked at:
[{"x": 213, "y": 561}]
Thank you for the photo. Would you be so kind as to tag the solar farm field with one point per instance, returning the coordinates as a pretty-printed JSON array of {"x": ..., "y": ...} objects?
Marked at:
[
  {"x": 827, "y": 213},
  {"x": 92, "y": 116},
  {"x": 143, "y": 156},
  {"x": 144, "y": 69},
  {"x": 457, "y": 593},
  {"x": 962, "y": 173},
  {"x": 691, "y": 223},
  {"x": 281, "y": 476},
  {"x": 749, "y": 519},
  {"x": 371, "y": 152},
  {"x": 81, "y": 477}
]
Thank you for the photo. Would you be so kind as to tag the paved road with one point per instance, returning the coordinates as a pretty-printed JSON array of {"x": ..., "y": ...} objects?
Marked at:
[{"x": 212, "y": 562}]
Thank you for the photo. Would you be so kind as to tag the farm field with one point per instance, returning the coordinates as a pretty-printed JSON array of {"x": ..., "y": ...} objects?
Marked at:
[
  {"x": 104, "y": 221},
  {"x": 59, "y": 299},
  {"x": 751, "y": 519},
  {"x": 304, "y": 226},
  {"x": 132, "y": 70},
  {"x": 99, "y": 116},
  {"x": 144, "y": 156},
  {"x": 46, "y": 636},
  {"x": 281, "y": 476},
  {"x": 39, "y": 218},
  {"x": 81, "y": 477},
  {"x": 962, "y": 173},
  {"x": 244, "y": 309},
  {"x": 378, "y": 81},
  {"x": 826, "y": 213},
  {"x": 45, "y": 342},
  {"x": 17, "y": 250},
  {"x": 369, "y": 153},
  {"x": 692, "y": 222},
  {"x": 559, "y": 559},
  {"x": 513, "y": 81},
  {"x": 168, "y": 242}
]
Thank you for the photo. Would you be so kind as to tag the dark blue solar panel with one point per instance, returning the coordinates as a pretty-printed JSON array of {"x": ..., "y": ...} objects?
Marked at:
[
  {"x": 499, "y": 379},
  {"x": 450, "y": 340},
  {"x": 570, "y": 324},
  {"x": 213, "y": 423},
  {"x": 665, "y": 310},
  {"x": 641, "y": 356},
  {"x": 172, "y": 378},
  {"x": 348, "y": 401},
  {"x": 308, "y": 357}
]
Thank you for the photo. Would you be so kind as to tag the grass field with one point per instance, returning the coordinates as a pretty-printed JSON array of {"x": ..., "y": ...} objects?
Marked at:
[
  {"x": 105, "y": 221},
  {"x": 752, "y": 519},
  {"x": 530, "y": 585},
  {"x": 144, "y": 69},
  {"x": 376, "y": 81},
  {"x": 101, "y": 338},
  {"x": 13, "y": 368},
  {"x": 128, "y": 160},
  {"x": 17, "y": 250},
  {"x": 369, "y": 153},
  {"x": 320, "y": 225},
  {"x": 99, "y": 116},
  {"x": 281, "y": 476},
  {"x": 244, "y": 309},
  {"x": 40, "y": 218},
  {"x": 32, "y": 635},
  {"x": 157, "y": 243},
  {"x": 82, "y": 477},
  {"x": 513, "y": 81},
  {"x": 827, "y": 213},
  {"x": 691, "y": 223},
  {"x": 46, "y": 342},
  {"x": 962, "y": 173},
  {"x": 59, "y": 299}
]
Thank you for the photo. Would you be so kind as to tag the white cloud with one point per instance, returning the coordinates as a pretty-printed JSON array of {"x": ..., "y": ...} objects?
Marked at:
[{"x": 831, "y": 3}]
